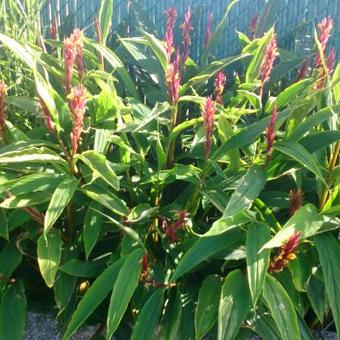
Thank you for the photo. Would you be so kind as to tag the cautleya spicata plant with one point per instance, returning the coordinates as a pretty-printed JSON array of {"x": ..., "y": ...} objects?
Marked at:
[{"x": 166, "y": 198}]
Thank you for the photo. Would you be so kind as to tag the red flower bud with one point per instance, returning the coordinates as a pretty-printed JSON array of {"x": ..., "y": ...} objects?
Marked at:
[
  {"x": 220, "y": 81},
  {"x": 270, "y": 133},
  {"x": 253, "y": 25},
  {"x": 285, "y": 254},
  {"x": 269, "y": 59},
  {"x": 302, "y": 70},
  {"x": 171, "y": 15},
  {"x": 209, "y": 110},
  {"x": 173, "y": 79},
  {"x": 170, "y": 230},
  {"x": 295, "y": 199},
  {"x": 325, "y": 28}
]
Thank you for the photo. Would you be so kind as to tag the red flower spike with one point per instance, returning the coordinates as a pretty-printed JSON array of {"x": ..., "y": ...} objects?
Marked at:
[
  {"x": 253, "y": 25},
  {"x": 170, "y": 230},
  {"x": 208, "y": 30},
  {"x": 325, "y": 28},
  {"x": 77, "y": 104},
  {"x": 270, "y": 133},
  {"x": 77, "y": 39},
  {"x": 171, "y": 15},
  {"x": 302, "y": 70},
  {"x": 173, "y": 79},
  {"x": 69, "y": 59},
  {"x": 186, "y": 29},
  {"x": 54, "y": 29},
  {"x": 3, "y": 114},
  {"x": 295, "y": 199},
  {"x": 285, "y": 254},
  {"x": 145, "y": 273},
  {"x": 220, "y": 81},
  {"x": 209, "y": 110},
  {"x": 268, "y": 61}
]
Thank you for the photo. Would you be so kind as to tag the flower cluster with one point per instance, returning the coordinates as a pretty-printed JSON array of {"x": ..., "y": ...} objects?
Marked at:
[
  {"x": 77, "y": 104},
  {"x": 2, "y": 107},
  {"x": 268, "y": 61},
  {"x": 170, "y": 230},
  {"x": 325, "y": 28},
  {"x": 270, "y": 133},
  {"x": 285, "y": 254},
  {"x": 209, "y": 110},
  {"x": 186, "y": 28},
  {"x": 172, "y": 75},
  {"x": 73, "y": 54},
  {"x": 145, "y": 273},
  {"x": 220, "y": 81},
  {"x": 295, "y": 200},
  {"x": 302, "y": 70}
]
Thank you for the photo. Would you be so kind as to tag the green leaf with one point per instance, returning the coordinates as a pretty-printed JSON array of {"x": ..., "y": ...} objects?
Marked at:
[
  {"x": 106, "y": 199},
  {"x": 329, "y": 253},
  {"x": 250, "y": 187},
  {"x": 92, "y": 227},
  {"x": 219, "y": 29},
  {"x": 60, "y": 198},
  {"x": 247, "y": 135},
  {"x": 10, "y": 258},
  {"x": 105, "y": 18},
  {"x": 22, "y": 201},
  {"x": 97, "y": 292},
  {"x": 148, "y": 318},
  {"x": 319, "y": 140},
  {"x": 79, "y": 268},
  {"x": 281, "y": 309},
  {"x": 64, "y": 286},
  {"x": 13, "y": 312},
  {"x": 100, "y": 167},
  {"x": 234, "y": 305},
  {"x": 3, "y": 225},
  {"x": 257, "y": 263},
  {"x": 49, "y": 255},
  {"x": 306, "y": 221},
  {"x": 301, "y": 155},
  {"x": 316, "y": 293},
  {"x": 206, "y": 247},
  {"x": 158, "y": 48},
  {"x": 172, "y": 316},
  {"x": 254, "y": 67},
  {"x": 117, "y": 64},
  {"x": 207, "y": 306},
  {"x": 123, "y": 289}
]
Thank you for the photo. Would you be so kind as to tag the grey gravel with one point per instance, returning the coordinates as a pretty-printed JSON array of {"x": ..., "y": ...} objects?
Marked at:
[{"x": 42, "y": 326}]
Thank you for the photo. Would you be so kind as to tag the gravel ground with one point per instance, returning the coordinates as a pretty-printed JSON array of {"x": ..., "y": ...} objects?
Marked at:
[{"x": 43, "y": 326}]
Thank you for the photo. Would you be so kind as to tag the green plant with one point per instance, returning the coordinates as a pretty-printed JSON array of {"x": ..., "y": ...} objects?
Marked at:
[{"x": 157, "y": 201}]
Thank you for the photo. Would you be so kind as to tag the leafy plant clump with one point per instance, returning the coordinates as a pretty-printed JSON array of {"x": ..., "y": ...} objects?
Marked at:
[{"x": 166, "y": 198}]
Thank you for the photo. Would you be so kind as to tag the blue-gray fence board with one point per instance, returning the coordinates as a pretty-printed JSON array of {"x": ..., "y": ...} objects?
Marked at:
[{"x": 294, "y": 24}]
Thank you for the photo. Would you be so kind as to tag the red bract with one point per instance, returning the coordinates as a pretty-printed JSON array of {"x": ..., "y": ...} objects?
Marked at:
[
  {"x": 186, "y": 29},
  {"x": 2, "y": 107},
  {"x": 270, "y": 133},
  {"x": 325, "y": 28},
  {"x": 302, "y": 70},
  {"x": 253, "y": 25},
  {"x": 77, "y": 39},
  {"x": 331, "y": 61},
  {"x": 69, "y": 58},
  {"x": 171, "y": 15},
  {"x": 269, "y": 59},
  {"x": 295, "y": 199},
  {"x": 285, "y": 254},
  {"x": 220, "y": 81},
  {"x": 209, "y": 110},
  {"x": 77, "y": 104},
  {"x": 173, "y": 79},
  {"x": 54, "y": 29},
  {"x": 208, "y": 31},
  {"x": 170, "y": 230}
]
